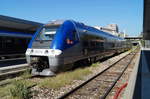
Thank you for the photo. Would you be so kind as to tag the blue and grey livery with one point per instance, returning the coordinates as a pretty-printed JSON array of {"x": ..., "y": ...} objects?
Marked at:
[{"x": 60, "y": 43}]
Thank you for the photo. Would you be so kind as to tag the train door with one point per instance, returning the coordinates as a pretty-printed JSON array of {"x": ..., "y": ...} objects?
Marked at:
[
  {"x": 72, "y": 47},
  {"x": 86, "y": 44}
]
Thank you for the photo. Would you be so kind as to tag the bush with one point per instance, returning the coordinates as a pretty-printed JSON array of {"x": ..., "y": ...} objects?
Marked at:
[{"x": 20, "y": 90}]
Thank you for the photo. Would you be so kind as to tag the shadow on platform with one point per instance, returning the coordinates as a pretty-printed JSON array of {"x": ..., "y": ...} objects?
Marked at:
[{"x": 142, "y": 87}]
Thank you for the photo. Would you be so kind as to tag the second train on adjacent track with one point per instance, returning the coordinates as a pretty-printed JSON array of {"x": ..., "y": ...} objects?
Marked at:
[{"x": 58, "y": 44}]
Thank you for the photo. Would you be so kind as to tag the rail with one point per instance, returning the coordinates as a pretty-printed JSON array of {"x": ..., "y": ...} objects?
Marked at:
[
  {"x": 9, "y": 71},
  {"x": 92, "y": 78}
]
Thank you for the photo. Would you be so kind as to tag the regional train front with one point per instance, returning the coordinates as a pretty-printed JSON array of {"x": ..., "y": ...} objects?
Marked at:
[{"x": 40, "y": 56}]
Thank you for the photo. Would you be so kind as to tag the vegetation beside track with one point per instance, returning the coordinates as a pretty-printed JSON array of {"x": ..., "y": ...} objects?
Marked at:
[
  {"x": 64, "y": 78},
  {"x": 18, "y": 88}
]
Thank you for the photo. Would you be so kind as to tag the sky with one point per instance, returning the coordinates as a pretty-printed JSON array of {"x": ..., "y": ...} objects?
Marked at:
[{"x": 127, "y": 14}]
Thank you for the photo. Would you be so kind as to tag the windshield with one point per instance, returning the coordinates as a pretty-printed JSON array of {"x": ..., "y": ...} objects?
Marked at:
[{"x": 47, "y": 33}]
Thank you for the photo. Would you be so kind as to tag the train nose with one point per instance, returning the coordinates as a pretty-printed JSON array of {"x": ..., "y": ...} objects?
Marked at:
[{"x": 44, "y": 61}]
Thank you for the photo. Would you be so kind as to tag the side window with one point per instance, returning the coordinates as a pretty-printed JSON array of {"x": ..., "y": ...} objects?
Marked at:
[
  {"x": 85, "y": 44},
  {"x": 74, "y": 35}
]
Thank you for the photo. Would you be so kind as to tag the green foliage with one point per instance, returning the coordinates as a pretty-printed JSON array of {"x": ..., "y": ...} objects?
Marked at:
[
  {"x": 26, "y": 74},
  {"x": 20, "y": 90},
  {"x": 4, "y": 91},
  {"x": 142, "y": 42},
  {"x": 95, "y": 64},
  {"x": 65, "y": 78}
]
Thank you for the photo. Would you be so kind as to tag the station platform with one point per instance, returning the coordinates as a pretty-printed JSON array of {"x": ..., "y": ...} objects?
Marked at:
[
  {"x": 139, "y": 83},
  {"x": 142, "y": 88}
]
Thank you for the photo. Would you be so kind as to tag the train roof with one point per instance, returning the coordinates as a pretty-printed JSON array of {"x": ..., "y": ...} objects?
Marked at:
[
  {"x": 18, "y": 25},
  {"x": 94, "y": 31},
  {"x": 91, "y": 30}
]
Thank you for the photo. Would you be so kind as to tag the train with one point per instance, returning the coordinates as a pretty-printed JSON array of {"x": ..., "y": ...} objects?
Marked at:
[
  {"x": 13, "y": 44},
  {"x": 58, "y": 44}
]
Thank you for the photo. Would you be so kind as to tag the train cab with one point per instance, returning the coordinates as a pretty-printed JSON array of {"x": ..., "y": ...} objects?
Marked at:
[{"x": 49, "y": 47}]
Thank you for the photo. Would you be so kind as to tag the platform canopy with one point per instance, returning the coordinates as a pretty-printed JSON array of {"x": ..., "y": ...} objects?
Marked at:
[
  {"x": 18, "y": 25},
  {"x": 134, "y": 38}
]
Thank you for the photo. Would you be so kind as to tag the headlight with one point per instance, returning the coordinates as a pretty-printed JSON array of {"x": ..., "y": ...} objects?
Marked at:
[
  {"x": 32, "y": 51},
  {"x": 46, "y": 51}
]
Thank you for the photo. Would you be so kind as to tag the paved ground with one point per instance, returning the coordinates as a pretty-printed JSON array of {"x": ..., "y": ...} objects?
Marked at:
[{"x": 142, "y": 88}]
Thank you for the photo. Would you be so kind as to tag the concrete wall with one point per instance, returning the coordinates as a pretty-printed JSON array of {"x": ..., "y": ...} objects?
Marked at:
[{"x": 146, "y": 21}]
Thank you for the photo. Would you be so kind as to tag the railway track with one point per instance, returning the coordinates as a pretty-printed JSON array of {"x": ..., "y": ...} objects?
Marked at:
[
  {"x": 100, "y": 85},
  {"x": 12, "y": 61},
  {"x": 10, "y": 68},
  {"x": 9, "y": 56},
  {"x": 12, "y": 71}
]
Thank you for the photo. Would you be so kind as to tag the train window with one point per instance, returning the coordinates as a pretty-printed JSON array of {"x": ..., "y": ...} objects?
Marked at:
[
  {"x": 8, "y": 40},
  {"x": 100, "y": 44},
  {"x": 85, "y": 44},
  {"x": 93, "y": 44},
  {"x": 47, "y": 33},
  {"x": 71, "y": 37},
  {"x": 75, "y": 37},
  {"x": 1, "y": 43}
]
